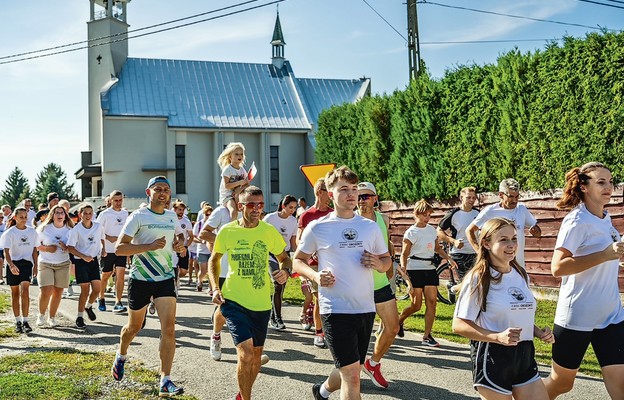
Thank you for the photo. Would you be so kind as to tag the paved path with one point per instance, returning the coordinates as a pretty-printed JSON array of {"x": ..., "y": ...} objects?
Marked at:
[{"x": 415, "y": 371}]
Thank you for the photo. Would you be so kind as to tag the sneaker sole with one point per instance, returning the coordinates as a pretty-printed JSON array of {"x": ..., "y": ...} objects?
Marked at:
[{"x": 372, "y": 377}]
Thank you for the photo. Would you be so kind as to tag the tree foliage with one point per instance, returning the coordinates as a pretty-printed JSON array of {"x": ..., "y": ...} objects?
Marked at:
[
  {"x": 530, "y": 116},
  {"x": 52, "y": 178},
  {"x": 16, "y": 188}
]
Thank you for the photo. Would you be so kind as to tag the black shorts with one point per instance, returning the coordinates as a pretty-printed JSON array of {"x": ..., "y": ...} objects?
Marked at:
[
  {"x": 25, "y": 272},
  {"x": 245, "y": 324},
  {"x": 141, "y": 292},
  {"x": 464, "y": 263},
  {"x": 423, "y": 277},
  {"x": 348, "y": 336},
  {"x": 570, "y": 345},
  {"x": 183, "y": 262},
  {"x": 113, "y": 260},
  {"x": 87, "y": 271},
  {"x": 384, "y": 294},
  {"x": 502, "y": 368},
  {"x": 221, "y": 282}
]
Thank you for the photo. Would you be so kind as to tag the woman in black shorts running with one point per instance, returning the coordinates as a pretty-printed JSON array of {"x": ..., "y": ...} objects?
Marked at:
[
  {"x": 496, "y": 311},
  {"x": 589, "y": 309}
]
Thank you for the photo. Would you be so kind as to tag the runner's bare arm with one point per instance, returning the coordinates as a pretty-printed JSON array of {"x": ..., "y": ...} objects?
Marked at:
[
  {"x": 471, "y": 234},
  {"x": 285, "y": 264},
  {"x": 125, "y": 248}
]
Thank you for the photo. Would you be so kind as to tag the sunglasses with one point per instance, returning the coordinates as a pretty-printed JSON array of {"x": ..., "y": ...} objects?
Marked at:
[
  {"x": 365, "y": 196},
  {"x": 252, "y": 205}
]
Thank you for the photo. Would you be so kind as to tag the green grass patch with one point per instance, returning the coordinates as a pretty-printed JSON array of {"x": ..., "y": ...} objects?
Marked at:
[
  {"x": 442, "y": 327},
  {"x": 72, "y": 374},
  {"x": 5, "y": 302}
]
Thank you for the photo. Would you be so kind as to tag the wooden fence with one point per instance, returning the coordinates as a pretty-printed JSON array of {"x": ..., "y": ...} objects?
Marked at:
[{"x": 538, "y": 252}]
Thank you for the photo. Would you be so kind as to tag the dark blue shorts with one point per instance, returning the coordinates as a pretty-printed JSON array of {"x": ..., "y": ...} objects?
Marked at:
[
  {"x": 245, "y": 324},
  {"x": 25, "y": 268},
  {"x": 87, "y": 271}
]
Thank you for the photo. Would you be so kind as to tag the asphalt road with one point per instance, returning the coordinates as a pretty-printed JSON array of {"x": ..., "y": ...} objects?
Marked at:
[{"x": 414, "y": 371}]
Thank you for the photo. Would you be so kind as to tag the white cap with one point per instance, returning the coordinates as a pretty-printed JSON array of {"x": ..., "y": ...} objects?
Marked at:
[{"x": 367, "y": 186}]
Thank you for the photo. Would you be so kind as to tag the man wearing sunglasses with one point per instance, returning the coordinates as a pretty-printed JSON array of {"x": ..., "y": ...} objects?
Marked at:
[
  {"x": 385, "y": 302},
  {"x": 511, "y": 209},
  {"x": 245, "y": 298}
]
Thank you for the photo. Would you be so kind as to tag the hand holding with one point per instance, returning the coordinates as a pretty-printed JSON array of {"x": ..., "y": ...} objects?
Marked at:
[
  {"x": 159, "y": 243},
  {"x": 509, "y": 337},
  {"x": 325, "y": 278}
]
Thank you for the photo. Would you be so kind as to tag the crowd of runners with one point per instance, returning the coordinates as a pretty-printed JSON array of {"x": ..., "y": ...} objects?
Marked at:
[{"x": 340, "y": 251}]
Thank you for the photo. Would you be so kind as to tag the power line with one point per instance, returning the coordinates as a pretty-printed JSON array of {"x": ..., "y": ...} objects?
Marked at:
[
  {"x": 512, "y": 15},
  {"x": 603, "y": 4},
  {"x": 133, "y": 31},
  {"x": 386, "y": 21}
]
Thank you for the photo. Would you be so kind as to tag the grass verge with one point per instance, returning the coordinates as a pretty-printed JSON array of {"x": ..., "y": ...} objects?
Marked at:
[
  {"x": 72, "y": 374},
  {"x": 442, "y": 328}
]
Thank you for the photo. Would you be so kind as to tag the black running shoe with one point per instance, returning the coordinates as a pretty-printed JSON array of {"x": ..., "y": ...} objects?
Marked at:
[
  {"x": 19, "y": 328},
  {"x": 80, "y": 323},
  {"x": 316, "y": 392},
  {"x": 90, "y": 313},
  {"x": 401, "y": 332},
  {"x": 26, "y": 327}
]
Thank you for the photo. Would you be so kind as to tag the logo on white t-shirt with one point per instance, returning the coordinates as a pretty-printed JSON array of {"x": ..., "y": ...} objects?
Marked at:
[
  {"x": 57, "y": 237},
  {"x": 90, "y": 238},
  {"x": 517, "y": 293},
  {"x": 350, "y": 234},
  {"x": 283, "y": 229},
  {"x": 24, "y": 238}
]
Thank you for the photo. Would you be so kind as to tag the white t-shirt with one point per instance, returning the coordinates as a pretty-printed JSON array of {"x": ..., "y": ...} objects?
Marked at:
[
  {"x": 144, "y": 226},
  {"x": 340, "y": 244},
  {"x": 200, "y": 248},
  {"x": 187, "y": 227},
  {"x": 234, "y": 175},
  {"x": 589, "y": 299},
  {"x": 423, "y": 246},
  {"x": 52, "y": 235},
  {"x": 287, "y": 227},
  {"x": 87, "y": 241},
  {"x": 460, "y": 221},
  {"x": 520, "y": 216},
  {"x": 510, "y": 304},
  {"x": 219, "y": 217},
  {"x": 31, "y": 217},
  {"x": 19, "y": 242},
  {"x": 112, "y": 221}
]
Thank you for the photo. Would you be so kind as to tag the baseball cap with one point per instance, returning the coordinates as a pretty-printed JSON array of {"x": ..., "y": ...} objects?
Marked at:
[
  {"x": 157, "y": 179},
  {"x": 52, "y": 196},
  {"x": 367, "y": 186}
]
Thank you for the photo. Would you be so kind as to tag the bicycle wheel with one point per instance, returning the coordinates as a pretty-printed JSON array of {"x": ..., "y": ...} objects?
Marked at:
[
  {"x": 447, "y": 280},
  {"x": 400, "y": 292}
]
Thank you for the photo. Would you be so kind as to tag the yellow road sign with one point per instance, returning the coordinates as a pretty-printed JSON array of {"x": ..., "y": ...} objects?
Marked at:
[{"x": 313, "y": 172}]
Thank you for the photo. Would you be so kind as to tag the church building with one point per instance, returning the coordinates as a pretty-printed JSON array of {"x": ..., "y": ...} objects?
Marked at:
[{"x": 174, "y": 117}]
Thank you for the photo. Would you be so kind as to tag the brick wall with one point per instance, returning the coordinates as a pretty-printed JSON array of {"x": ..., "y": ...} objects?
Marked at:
[{"x": 538, "y": 252}]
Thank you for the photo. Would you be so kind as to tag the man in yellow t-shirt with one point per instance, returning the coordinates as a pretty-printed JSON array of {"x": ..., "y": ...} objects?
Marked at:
[{"x": 245, "y": 299}]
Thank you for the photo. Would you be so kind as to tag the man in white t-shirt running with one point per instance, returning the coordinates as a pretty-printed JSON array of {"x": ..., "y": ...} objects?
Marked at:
[
  {"x": 349, "y": 248},
  {"x": 151, "y": 235},
  {"x": 509, "y": 208},
  {"x": 112, "y": 220},
  {"x": 456, "y": 221}
]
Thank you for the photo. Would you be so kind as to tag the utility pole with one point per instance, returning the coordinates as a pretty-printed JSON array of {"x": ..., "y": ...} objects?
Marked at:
[{"x": 413, "y": 42}]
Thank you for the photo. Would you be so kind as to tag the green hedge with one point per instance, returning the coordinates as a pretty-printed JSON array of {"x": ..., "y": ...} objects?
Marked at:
[{"x": 530, "y": 116}]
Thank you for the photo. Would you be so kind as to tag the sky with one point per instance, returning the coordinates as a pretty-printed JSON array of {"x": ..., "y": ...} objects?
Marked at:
[{"x": 43, "y": 101}]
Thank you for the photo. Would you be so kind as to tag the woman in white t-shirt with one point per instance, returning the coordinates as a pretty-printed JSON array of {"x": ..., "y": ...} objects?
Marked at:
[
  {"x": 19, "y": 242},
  {"x": 420, "y": 243},
  {"x": 589, "y": 309},
  {"x": 496, "y": 311},
  {"x": 54, "y": 262},
  {"x": 201, "y": 247},
  {"x": 286, "y": 225}
]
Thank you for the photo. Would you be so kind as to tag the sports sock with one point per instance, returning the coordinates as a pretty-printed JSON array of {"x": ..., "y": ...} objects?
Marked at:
[
  {"x": 164, "y": 379},
  {"x": 324, "y": 392},
  {"x": 372, "y": 363}
]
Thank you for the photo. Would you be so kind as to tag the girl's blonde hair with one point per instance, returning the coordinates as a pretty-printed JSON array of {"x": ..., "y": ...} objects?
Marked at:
[
  {"x": 226, "y": 155},
  {"x": 483, "y": 263},
  {"x": 422, "y": 207},
  {"x": 50, "y": 217}
]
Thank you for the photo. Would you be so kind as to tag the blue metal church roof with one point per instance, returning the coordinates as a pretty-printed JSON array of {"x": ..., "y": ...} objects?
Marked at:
[{"x": 207, "y": 94}]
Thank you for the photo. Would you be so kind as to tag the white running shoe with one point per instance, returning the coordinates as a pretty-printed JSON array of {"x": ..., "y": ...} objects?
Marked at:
[
  {"x": 215, "y": 348},
  {"x": 52, "y": 322},
  {"x": 264, "y": 359},
  {"x": 40, "y": 320}
]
